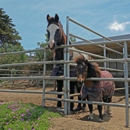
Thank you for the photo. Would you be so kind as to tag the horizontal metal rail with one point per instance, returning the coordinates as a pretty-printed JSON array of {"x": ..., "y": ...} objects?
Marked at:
[
  {"x": 32, "y": 91},
  {"x": 101, "y": 46},
  {"x": 96, "y": 103},
  {"x": 62, "y": 77},
  {"x": 111, "y": 60},
  {"x": 54, "y": 92},
  {"x": 20, "y": 91},
  {"x": 100, "y": 79},
  {"x": 62, "y": 61},
  {"x": 93, "y": 31},
  {"x": 121, "y": 88},
  {"x": 40, "y": 92},
  {"x": 82, "y": 43},
  {"x": 20, "y": 52},
  {"x": 18, "y": 64},
  {"x": 19, "y": 78},
  {"x": 111, "y": 69},
  {"x": 112, "y": 50},
  {"x": 18, "y": 70},
  {"x": 87, "y": 102},
  {"x": 95, "y": 79},
  {"x": 103, "y": 68},
  {"x": 88, "y": 53}
]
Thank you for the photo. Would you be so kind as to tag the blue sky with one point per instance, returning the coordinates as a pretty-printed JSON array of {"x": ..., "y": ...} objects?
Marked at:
[{"x": 107, "y": 17}]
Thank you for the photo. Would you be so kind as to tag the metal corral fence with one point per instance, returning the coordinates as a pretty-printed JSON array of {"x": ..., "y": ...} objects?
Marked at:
[{"x": 98, "y": 58}]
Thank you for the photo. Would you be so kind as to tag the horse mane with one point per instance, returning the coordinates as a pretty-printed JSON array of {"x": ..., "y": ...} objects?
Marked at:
[
  {"x": 93, "y": 68},
  {"x": 79, "y": 59},
  {"x": 56, "y": 21}
]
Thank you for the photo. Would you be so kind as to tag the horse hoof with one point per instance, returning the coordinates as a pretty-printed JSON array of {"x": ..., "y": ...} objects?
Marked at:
[
  {"x": 59, "y": 109},
  {"x": 109, "y": 113},
  {"x": 105, "y": 113},
  {"x": 90, "y": 117},
  {"x": 100, "y": 120}
]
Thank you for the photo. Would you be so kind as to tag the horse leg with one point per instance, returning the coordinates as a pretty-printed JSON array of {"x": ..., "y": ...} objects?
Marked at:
[
  {"x": 59, "y": 89},
  {"x": 72, "y": 86},
  {"x": 109, "y": 112},
  {"x": 79, "y": 98},
  {"x": 107, "y": 109},
  {"x": 90, "y": 106},
  {"x": 100, "y": 112}
]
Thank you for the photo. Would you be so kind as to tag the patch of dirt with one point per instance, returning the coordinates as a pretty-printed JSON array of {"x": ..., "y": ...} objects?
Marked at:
[{"x": 76, "y": 121}]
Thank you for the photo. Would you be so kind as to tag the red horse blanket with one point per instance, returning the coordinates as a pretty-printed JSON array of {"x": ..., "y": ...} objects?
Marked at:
[{"x": 99, "y": 90}]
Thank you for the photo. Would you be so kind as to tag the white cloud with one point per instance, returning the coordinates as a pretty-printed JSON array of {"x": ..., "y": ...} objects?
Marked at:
[{"x": 118, "y": 26}]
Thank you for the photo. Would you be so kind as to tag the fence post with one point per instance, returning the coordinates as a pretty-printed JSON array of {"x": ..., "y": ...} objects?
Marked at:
[
  {"x": 104, "y": 52},
  {"x": 67, "y": 65},
  {"x": 44, "y": 74},
  {"x": 11, "y": 77},
  {"x": 126, "y": 83}
]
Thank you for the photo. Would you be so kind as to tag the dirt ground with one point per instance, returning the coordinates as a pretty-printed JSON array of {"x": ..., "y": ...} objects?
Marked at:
[{"x": 76, "y": 121}]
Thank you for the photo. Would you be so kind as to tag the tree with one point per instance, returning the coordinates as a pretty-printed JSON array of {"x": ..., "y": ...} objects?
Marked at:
[
  {"x": 12, "y": 58},
  {"x": 72, "y": 39},
  {"x": 8, "y": 33}
]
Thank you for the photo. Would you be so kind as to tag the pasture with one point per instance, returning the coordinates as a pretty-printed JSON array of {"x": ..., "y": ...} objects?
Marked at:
[{"x": 77, "y": 120}]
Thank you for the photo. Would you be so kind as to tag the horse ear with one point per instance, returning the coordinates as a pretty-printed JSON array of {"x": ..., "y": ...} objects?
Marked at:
[
  {"x": 56, "y": 17},
  {"x": 48, "y": 17}
]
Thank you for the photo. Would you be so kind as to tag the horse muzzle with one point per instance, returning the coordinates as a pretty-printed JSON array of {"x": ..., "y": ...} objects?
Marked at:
[
  {"x": 51, "y": 46},
  {"x": 80, "y": 83}
]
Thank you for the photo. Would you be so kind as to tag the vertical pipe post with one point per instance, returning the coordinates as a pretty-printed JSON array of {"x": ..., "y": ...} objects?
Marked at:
[
  {"x": 126, "y": 84},
  {"x": 67, "y": 65},
  {"x": 44, "y": 82},
  {"x": 11, "y": 77},
  {"x": 65, "y": 82},
  {"x": 104, "y": 52},
  {"x": 65, "y": 96}
]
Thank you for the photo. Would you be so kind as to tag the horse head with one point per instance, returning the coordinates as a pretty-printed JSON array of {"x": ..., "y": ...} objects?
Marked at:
[
  {"x": 81, "y": 69},
  {"x": 55, "y": 33},
  {"x": 85, "y": 69}
]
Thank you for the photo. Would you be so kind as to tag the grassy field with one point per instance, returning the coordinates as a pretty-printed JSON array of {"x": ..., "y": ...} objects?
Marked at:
[{"x": 20, "y": 116}]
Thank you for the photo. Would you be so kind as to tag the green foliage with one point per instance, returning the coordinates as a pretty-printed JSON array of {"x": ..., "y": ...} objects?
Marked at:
[
  {"x": 72, "y": 39},
  {"x": 12, "y": 58},
  {"x": 20, "y": 116},
  {"x": 40, "y": 55},
  {"x": 8, "y": 33}
]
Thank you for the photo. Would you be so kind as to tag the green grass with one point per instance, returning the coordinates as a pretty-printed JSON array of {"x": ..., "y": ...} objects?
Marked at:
[{"x": 20, "y": 116}]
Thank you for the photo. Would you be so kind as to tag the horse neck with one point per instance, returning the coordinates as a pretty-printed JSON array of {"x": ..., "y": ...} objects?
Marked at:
[{"x": 59, "y": 54}]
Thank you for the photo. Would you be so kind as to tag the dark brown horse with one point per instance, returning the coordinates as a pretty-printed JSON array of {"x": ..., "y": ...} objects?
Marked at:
[
  {"x": 57, "y": 37},
  {"x": 94, "y": 90}
]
